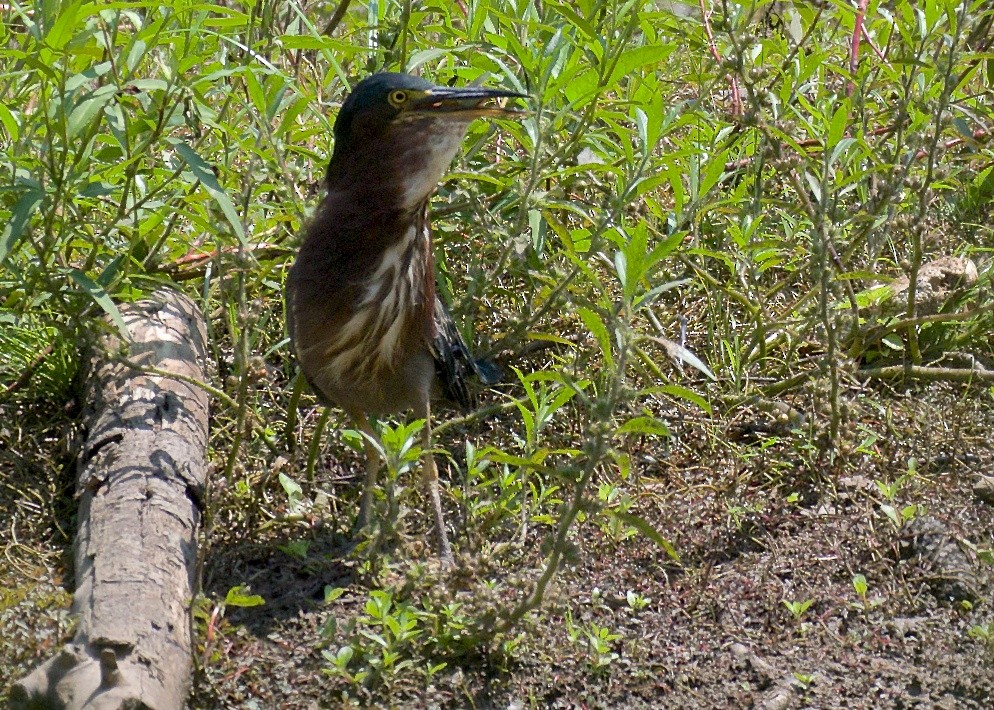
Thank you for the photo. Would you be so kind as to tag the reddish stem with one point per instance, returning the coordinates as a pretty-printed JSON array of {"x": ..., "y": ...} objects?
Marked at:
[
  {"x": 857, "y": 34},
  {"x": 706, "y": 15}
]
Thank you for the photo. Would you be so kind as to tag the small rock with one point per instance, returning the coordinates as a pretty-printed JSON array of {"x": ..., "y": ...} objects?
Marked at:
[
  {"x": 856, "y": 483},
  {"x": 781, "y": 699},
  {"x": 983, "y": 488},
  {"x": 905, "y": 626}
]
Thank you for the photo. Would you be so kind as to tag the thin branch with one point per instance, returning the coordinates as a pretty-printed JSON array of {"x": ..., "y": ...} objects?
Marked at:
[
  {"x": 337, "y": 18},
  {"x": 28, "y": 373}
]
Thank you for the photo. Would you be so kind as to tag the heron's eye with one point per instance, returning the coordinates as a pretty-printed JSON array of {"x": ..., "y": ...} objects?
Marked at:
[{"x": 397, "y": 98}]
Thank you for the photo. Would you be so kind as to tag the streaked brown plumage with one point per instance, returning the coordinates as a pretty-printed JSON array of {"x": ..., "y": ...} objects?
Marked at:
[{"x": 367, "y": 328}]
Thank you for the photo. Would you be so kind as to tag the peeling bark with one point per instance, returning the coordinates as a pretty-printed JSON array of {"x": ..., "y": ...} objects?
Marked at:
[{"x": 142, "y": 473}]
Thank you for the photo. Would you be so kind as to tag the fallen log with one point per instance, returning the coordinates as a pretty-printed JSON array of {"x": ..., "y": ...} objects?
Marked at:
[{"x": 140, "y": 485}]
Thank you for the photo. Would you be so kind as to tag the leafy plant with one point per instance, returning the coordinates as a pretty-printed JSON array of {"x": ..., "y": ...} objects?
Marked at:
[
  {"x": 599, "y": 642},
  {"x": 636, "y": 601},
  {"x": 798, "y": 608},
  {"x": 890, "y": 491},
  {"x": 984, "y": 633},
  {"x": 384, "y": 633}
]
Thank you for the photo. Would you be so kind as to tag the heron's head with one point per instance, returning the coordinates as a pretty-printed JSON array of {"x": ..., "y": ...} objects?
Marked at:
[{"x": 400, "y": 131}]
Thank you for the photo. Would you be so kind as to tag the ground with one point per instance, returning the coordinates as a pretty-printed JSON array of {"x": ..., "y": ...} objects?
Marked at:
[
  {"x": 814, "y": 529},
  {"x": 763, "y": 608}
]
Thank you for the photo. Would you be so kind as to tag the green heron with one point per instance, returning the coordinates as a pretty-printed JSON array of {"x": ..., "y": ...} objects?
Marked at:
[{"x": 368, "y": 330}]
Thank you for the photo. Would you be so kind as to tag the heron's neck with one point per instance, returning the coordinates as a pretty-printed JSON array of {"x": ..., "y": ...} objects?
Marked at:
[{"x": 399, "y": 172}]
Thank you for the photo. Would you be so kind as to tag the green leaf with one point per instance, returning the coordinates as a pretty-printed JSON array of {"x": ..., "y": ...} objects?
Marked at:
[
  {"x": 638, "y": 57},
  {"x": 312, "y": 42},
  {"x": 576, "y": 20},
  {"x": 874, "y": 295},
  {"x": 14, "y": 229},
  {"x": 891, "y": 513},
  {"x": 256, "y": 92},
  {"x": 837, "y": 126},
  {"x": 596, "y": 326},
  {"x": 840, "y": 148},
  {"x": 665, "y": 248},
  {"x": 644, "y": 527},
  {"x": 535, "y": 226},
  {"x": 423, "y": 56},
  {"x": 621, "y": 269},
  {"x": 102, "y": 299},
  {"x": 343, "y": 656},
  {"x": 87, "y": 77},
  {"x": 713, "y": 172},
  {"x": 239, "y": 596},
  {"x": 679, "y": 392},
  {"x": 551, "y": 338},
  {"x": 9, "y": 123},
  {"x": 205, "y": 174},
  {"x": 65, "y": 25},
  {"x": 815, "y": 184},
  {"x": 291, "y": 487},
  {"x": 643, "y": 425},
  {"x": 590, "y": 81},
  {"x": 893, "y": 341},
  {"x": 147, "y": 85},
  {"x": 84, "y": 113},
  {"x": 642, "y": 123},
  {"x": 296, "y": 549}
]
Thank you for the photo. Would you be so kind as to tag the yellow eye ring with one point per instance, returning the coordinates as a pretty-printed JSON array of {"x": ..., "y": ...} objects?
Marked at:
[{"x": 397, "y": 97}]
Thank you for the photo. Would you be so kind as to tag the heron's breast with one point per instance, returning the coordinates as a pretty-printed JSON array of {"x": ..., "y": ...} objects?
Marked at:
[{"x": 382, "y": 327}]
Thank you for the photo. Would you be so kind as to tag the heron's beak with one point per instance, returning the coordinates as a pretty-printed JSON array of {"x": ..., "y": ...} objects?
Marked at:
[{"x": 469, "y": 102}]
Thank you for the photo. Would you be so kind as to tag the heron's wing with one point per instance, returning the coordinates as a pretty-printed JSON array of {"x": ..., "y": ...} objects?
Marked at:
[{"x": 454, "y": 363}]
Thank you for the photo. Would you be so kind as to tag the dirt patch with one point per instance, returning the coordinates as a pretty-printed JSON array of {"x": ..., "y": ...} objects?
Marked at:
[{"x": 763, "y": 610}]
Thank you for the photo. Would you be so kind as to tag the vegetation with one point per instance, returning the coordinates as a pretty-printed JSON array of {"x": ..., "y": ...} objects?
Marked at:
[{"x": 687, "y": 259}]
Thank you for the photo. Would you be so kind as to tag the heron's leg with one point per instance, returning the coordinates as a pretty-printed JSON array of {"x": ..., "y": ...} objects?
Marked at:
[
  {"x": 373, "y": 464},
  {"x": 430, "y": 474}
]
